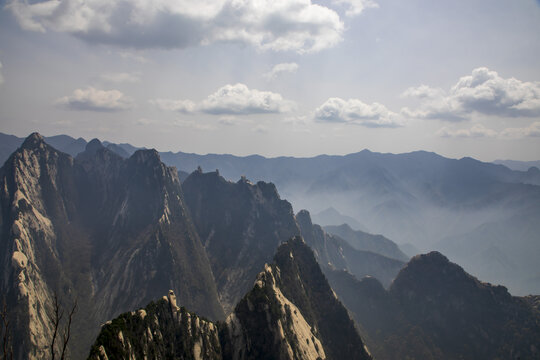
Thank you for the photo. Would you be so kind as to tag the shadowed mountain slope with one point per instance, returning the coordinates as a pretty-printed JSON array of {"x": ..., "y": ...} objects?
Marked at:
[
  {"x": 435, "y": 310},
  {"x": 240, "y": 225}
]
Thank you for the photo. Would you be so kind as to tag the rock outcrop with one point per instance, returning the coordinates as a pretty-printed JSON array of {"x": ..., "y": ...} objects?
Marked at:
[
  {"x": 162, "y": 330},
  {"x": 291, "y": 313}
]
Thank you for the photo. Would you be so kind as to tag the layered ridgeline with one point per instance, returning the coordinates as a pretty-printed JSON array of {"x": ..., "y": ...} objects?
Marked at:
[
  {"x": 290, "y": 313},
  {"x": 240, "y": 225},
  {"x": 107, "y": 232},
  {"x": 481, "y": 215},
  {"x": 334, "y": 253},
  {"x": 435, "y": 310},
  {"x": 361, "y": 240}
]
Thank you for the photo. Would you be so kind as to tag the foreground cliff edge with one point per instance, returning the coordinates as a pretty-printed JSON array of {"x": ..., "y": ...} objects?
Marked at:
[{"x": 291, "y": 313}]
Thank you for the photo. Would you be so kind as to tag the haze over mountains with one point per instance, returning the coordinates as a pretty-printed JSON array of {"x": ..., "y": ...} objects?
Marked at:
[
  {"x": 479, "y": 214},
  {"x": 116, "y": 234}
]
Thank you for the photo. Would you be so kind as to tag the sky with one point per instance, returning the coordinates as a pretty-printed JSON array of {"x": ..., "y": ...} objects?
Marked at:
[{"x": 277, "y": 78}]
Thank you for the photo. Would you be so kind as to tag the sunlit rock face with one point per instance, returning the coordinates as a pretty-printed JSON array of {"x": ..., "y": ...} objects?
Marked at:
[
  {"x": 290, "y": 313},
  {"x": 162, "y": 330},
  {"x": 112, "y": 233}
]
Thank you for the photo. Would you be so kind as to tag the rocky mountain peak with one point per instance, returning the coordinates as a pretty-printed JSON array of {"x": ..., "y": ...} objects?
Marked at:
[
  {"x": 94, "y": 145},
  {"x": 304, "y": 219},
  {"x": 148, "y": 157},
  {"x": 34, "y": 140}
]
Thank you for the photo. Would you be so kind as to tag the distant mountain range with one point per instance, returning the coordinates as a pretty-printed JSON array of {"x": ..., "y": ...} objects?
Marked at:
[
  {"x": 115, "y": 234},
  {"x": 480, "y": 214},
  {"x": 519, "y": 165}
]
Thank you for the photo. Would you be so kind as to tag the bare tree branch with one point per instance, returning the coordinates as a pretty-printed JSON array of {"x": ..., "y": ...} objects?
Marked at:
[
  {"x": 55, "y": 317},
  {"x": 60, "y": 327},
  {"x": 67, "y": 330}
]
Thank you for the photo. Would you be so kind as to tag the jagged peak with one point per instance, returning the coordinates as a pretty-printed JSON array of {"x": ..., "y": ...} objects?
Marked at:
[
  {"x": 34, "y": 140},
  {"x": 94, "y": 145},
  {"x": 433, "y": 257},
  {"x": 146, "y": 156},
  {"x": 244, "y": 180},
  {"x": 304, "y": 217}
]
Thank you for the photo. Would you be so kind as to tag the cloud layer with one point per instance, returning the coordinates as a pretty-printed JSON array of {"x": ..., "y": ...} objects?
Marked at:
[
  {"x": 280, "y": 69},
  {"x": 356, "y": 7},
  {"x": 477, "y": 131},
  {"x": 297, "y": 25},
  {"x": 532, "y": 130},
  {"x": 235, "y": 99},
  {"x": 482, "y": 92},
  {"x": 91, "y": 99},
  {"x": 354, "y": 111},
  {"x": 480, "y": 131}
]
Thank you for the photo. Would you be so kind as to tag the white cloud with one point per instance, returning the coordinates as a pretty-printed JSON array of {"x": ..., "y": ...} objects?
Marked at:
[
  {"x": 532, "y": 130},
  {"x": 280, "y": 69},
  {"x": 235, "y": 99},
  {"x": 482, "y": 92},
  {"x": 297, "y": 25},
  {"x": 121, "y": 77},
  {"x": 356, "y": 7},
  {"x": 91, "y": 99},
  {"x": 354, "y": 111},
  {"x": 423, "y": 92},
  {"x": 183, "y": 106},
  {"x": 477, "y": 131},
  {"x": 238, "y": 99},
  {"x": 1, "y": 76}
]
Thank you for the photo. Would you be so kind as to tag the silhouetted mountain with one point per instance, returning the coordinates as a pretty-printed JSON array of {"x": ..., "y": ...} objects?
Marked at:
[
  {"x": 434, "y": 309},
  {"x": 332, "y": 252},
  {"x": 331, "y": 216},
  {"x": 240, "y": 225},
  {"x": 124, "y": 150},
  {"x": 113, "y": 233},
  {"x": 290, "y": 313},
  {"x": 64, "y": 143},
  {"x": 518, "y": 165},
  {"x": 368, "y": 242}
]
